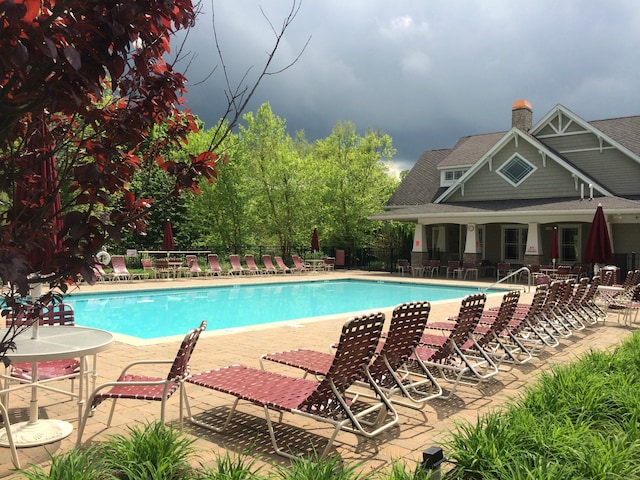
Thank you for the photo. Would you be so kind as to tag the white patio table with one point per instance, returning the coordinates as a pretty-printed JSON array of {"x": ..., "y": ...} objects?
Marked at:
[{"x": 52, "y": 343}]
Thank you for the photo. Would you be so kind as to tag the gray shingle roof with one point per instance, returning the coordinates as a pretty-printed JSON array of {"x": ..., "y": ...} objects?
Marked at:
[
  {"x": 422, "y": 183},
  {"x": 625, "y": 131}
]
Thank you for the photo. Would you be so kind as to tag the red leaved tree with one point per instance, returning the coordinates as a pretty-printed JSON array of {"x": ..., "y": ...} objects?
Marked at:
[{"x": 83, "y": 84}]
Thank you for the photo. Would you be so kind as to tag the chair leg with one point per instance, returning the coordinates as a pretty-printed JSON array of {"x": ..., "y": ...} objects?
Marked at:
[{"x": 7, "y": 428}]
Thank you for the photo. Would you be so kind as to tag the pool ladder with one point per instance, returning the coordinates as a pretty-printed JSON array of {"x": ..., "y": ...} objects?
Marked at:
[{"x": 526, "y": 288}]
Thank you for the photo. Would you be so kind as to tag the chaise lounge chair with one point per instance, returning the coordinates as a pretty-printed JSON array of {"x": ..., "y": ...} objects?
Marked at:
[
  {"x": 300, "y": 265},
  {"x": 283, "y": 266},
  {"x": 268, "y": 265},
  {"x": 444, "y": 352},
  {"x": 324, "y": 401},
  {"x": 387, "y": 368},
  {"x": 214, "y": 265},
  {"x": 120, "y": 269},
  {"x": 251, "y": 265},
  {"x": 236, "y": 266},
  {"x": 143, "y": 386},
  {"x": 194, "y": 267}
]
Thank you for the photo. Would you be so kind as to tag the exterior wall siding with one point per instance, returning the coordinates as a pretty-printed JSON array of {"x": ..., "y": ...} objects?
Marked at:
[{"x": 547, "y": 181}]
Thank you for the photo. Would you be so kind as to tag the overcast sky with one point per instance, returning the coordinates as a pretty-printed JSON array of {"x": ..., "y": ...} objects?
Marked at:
[{"x": 425, "y": 72}]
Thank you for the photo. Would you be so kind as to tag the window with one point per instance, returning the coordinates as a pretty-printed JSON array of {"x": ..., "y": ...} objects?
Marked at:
[
  {"x": 569, "y": 244},
  {"x": 516, "y": 170},
  {"x": 448, "y": 177},
  {"x": 514, "y": 243}
]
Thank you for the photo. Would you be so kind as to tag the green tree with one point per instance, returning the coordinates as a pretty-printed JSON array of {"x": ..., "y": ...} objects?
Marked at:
[
  {"x": 273, "y": 172},
  {"x": 350, "y": 181}
]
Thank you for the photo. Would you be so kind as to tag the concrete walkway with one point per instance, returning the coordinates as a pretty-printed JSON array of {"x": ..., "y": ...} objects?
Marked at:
[{"x": 417, "y": 429}]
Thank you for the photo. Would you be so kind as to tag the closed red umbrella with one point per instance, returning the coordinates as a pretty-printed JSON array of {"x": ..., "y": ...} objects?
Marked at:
[
  {"x": 168, "y": 243},
  {"x": 598, "y": 247},
  {"x": 555, "y": 250},
  {"x": 315, "y": 243}
]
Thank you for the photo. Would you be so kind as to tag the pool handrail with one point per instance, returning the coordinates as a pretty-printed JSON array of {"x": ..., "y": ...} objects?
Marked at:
[{"x": 526, "y": 288}]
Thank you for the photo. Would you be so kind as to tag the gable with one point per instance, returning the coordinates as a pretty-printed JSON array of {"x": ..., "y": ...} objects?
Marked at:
[{"x": 597, "y": 153}]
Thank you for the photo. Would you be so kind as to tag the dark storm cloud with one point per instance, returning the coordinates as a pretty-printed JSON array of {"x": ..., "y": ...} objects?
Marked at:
[{"x": 425, "y": 72}]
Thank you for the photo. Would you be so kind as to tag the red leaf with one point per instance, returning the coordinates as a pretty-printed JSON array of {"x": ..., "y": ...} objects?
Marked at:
[{"x": 73, "y": 57}]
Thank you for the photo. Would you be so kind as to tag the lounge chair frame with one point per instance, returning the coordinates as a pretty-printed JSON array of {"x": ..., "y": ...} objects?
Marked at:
[{"x": 324, "y": 401}]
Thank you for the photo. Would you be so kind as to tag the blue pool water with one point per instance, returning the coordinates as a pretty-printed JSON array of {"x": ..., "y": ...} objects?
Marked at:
[{"x": 150, "y": 314}]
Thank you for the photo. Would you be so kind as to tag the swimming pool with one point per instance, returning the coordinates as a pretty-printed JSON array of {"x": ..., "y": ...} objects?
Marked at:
[{"x": 148, "y": 314}]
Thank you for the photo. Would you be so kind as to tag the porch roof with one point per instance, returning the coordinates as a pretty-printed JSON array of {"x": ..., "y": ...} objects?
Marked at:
[{"x": 540, "y": 210}]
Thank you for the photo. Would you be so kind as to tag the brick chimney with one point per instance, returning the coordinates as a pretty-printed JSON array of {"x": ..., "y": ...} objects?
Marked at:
[{"x": 522, "y": 115}]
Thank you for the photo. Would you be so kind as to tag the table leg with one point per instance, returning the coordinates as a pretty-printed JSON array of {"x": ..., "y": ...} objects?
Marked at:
[{"x": 36, "y": 431}]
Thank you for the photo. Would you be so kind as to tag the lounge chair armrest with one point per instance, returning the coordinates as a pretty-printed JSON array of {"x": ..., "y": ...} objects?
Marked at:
[{"x": 145, "y": 362}]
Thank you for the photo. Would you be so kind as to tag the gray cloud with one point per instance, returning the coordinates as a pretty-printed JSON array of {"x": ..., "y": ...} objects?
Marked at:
[{"x": 425, "y": 72}]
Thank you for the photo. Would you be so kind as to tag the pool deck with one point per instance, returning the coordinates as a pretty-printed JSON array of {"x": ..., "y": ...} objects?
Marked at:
[{"x": 416, "y": 431}]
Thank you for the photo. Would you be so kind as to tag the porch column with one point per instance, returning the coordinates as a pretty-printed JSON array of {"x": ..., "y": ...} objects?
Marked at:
[
  {"x": 533, "y": 250},
  {"x": 420, "y": 251},
  {"x": 472, "y": 253}
]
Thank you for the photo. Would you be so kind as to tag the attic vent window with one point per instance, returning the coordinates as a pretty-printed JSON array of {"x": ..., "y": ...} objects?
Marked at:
[{"x": 516, "y": 170}]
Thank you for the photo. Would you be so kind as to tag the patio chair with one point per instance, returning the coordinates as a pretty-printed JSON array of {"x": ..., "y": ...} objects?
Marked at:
[
  {"x": 404, "y": 266},
  {"x": 325, "y": 400},
  {"x": 251, "y": 264},
  {"x": 194, "y": 267},
  {"x": 503, "y": 269},
  {"x": 144, "y": 386},
  {"x": 147, "y": 266},
  {"x": 283, "y": 266},
  {"x": 387, "y": 368},
  {"x": 50, "y": 370},
  {"x": 301, "y": 266},
  {"x": 214, "y": 265},
  {"x": 625, "y": 306},
  {"x": 444, "y": 353},
  {"x": 236, "y": 266},
  {"x": 329, "y": 264},
  {"x": 269, "y": 267},
  {"x": 453, "y": 269},
  {"x": 431, "y": 268}
]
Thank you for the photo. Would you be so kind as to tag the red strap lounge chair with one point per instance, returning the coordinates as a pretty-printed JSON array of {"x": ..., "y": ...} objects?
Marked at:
[
  {"x": 443, "y": 352},
  {"x": 146, "y": 387},
  {"x": 120, "y": 269},
  {"x": 214, "y": 265},
  {"x": 300, "y": 265},
  {"x": 323, "y": 400},
  {"x": 67, "y": 368},
  {"x": 236, "y": 266},
  {"x": 387, "y": 368},
  {"x": 283, "y": 266},
  {"x": 251, "y": 265},
  {"x": 268, "y": 265},
  {"x": 194, "y": 266}
]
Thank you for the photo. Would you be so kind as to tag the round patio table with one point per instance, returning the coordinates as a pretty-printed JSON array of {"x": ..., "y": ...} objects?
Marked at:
[{"x": 52, "y": 343}]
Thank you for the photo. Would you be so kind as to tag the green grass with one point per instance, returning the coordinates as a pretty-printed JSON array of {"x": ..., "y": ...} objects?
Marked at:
[{"x": 579, "y": 421}]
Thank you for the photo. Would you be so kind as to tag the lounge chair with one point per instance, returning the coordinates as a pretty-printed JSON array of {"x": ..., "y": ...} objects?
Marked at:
[
  {"x": 99, "y": 272},
  {"x": 301, "y": 266},
  {"x": 144, "y": 386},
  {"x": 120, "y": 269},
  {"x": 444, "y": 352},
  {"x": 194, "y": 267},
  {"x": 236, "y": 266},
  {"x": 50, "y": 370},
  {"x": 283, "y": 266},
  {"x": 214, "y": 265},
  {"x": 268, "y": 265},
  {"x": 324, "y": 400},
  {"x": 388, "y": 365},
  {"x": 251, "y": 265}
]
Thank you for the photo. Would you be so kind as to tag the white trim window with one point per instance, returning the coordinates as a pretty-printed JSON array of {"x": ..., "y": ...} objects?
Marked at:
[
  {"x": 570, "y": 239},
  {"x": 449, "y": 177},
  {"x": 516, "y": 170},
  {"x": 514, "y": 242}
]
